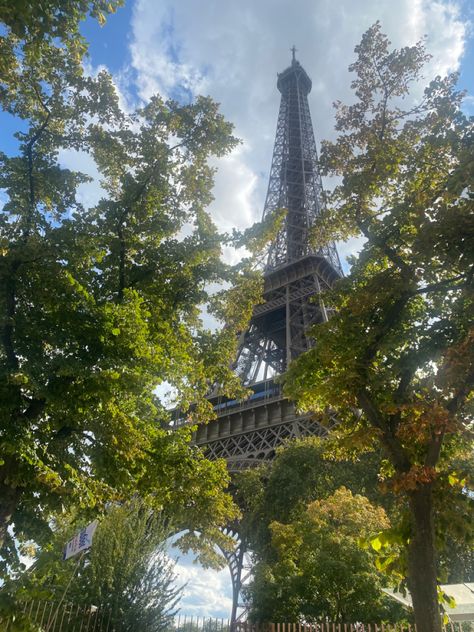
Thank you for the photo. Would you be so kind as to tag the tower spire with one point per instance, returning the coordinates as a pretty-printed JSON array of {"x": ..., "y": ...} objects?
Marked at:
[
  {"x": 293, "y": 53},
  {"x": 295, "y": 182}
]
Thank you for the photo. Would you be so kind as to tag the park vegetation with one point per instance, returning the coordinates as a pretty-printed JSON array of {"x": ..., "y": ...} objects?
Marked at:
[
  {"x": 126, "y": 576},
  {"x": 397, "y": 359},
  {"x": 99, "y": 305},
  {"x": 308, "y": 545}
]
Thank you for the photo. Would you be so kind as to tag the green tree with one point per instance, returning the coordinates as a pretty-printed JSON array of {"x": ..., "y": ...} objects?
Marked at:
[
  {"x": 129, "y": 574},
  {"x": 52, "y": 19},
  {"x": 303, "y": 472},
  {"x": 31, "y": 28},
  {"x": 126, "y": 574},
  {"x": 306, "y": 469},
  {"x": 399, "y": 348},
  {"x": 98, "y": 306},
  {"x": 320, "y": 570}
]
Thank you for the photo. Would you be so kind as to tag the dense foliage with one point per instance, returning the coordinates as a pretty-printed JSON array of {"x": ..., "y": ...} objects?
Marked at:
[
  {"x": 99, "y": 306},
  {"x": 397, "y": 359},
  {"x": 302, "y": 471},
  {"x": 299, "y": 522},
  {"x": 126, "y": 574},
  {"x": 320, "y": 570}
]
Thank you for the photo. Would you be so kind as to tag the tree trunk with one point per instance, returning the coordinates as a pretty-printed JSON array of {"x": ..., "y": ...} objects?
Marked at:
[
  {"x": 422, "y": 574},
  {"x": 9, "y": 497}
]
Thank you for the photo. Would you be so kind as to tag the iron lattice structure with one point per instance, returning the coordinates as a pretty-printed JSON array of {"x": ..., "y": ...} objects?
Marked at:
[
  {"x": 296, "y": 275},
  {"x": 295, "y": 181}
]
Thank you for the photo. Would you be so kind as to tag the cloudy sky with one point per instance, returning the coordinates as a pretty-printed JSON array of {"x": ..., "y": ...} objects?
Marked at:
[{"x": 232, "y": 51}]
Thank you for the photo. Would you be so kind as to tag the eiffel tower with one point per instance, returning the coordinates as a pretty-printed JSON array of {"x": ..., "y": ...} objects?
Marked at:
[{"x": 296, "y": 274}]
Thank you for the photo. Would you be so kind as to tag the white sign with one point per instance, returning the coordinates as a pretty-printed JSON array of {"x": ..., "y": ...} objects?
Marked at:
[{"x": 81, "y": 541}]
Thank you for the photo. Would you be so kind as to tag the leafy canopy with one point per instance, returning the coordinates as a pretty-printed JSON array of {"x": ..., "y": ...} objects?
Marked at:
[
  {"x": 399, "y": 349},
  {"x": 320, "y": 570},
  {"x": 99, "y": 306}
]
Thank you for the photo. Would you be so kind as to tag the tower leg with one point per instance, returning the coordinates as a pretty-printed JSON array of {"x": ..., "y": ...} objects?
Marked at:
[{"x": 235, "y": 560}]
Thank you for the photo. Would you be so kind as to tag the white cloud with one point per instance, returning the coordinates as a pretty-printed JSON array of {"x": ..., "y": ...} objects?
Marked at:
[
  {"x": 236, "y": 195},
  {"x": 350, "y": 247},
  {"x": 207, "y": 593},
  {"x": 233, "y": 52},
  {"x": 89, "y": 193}
]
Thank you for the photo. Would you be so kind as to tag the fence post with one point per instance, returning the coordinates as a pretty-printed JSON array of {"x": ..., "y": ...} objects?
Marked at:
[
  {"x": 82, "y": 619},
  {"x": 108, "y": 622}
]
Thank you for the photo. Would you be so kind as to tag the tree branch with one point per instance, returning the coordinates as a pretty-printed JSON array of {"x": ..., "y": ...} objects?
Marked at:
[
  {"x": 8, "y": 328},
  {"x": 393, "y": 445},
  {"x": 434, "y": 287},
  {"x": 459, "y": 398},
  {"x": 31, "y": 181}
]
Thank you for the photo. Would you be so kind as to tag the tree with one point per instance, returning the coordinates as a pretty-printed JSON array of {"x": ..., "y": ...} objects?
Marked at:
[
  {"x": 53, "y": 19},
  {"x": 31, "y": 28},
  {"x": 129, "y": 574},
  {"x": 307, "y": 470},
  {"x": 126, "y": 574},
  {"x": 320, "y": 569},
  {"x": 100, "y": 305},
  {"x": 399, "y": 348}
]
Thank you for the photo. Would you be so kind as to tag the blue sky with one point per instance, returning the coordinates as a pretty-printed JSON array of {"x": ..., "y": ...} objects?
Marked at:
[{"x": 232, "y": 51}]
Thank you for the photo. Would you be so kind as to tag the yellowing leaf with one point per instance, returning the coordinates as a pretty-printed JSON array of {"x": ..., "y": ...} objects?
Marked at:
[{"x": 376, "y": 544}]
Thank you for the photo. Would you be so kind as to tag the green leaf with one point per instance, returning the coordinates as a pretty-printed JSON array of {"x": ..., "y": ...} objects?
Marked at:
[{"x": 376, "y": 544}]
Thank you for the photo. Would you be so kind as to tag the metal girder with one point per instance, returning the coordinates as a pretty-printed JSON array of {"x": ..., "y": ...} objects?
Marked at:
[
  {"x": 248, "y": 448},
  {"x": 236, "y": 559}
]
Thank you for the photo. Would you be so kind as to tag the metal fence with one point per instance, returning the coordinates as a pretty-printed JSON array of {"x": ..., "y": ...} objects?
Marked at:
[
  {"x": 203, "y": 624},
  {"x": 189, "y": 623},
  {"x": 50, "y": 616},
  {"x": 326, "y": 626}
]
